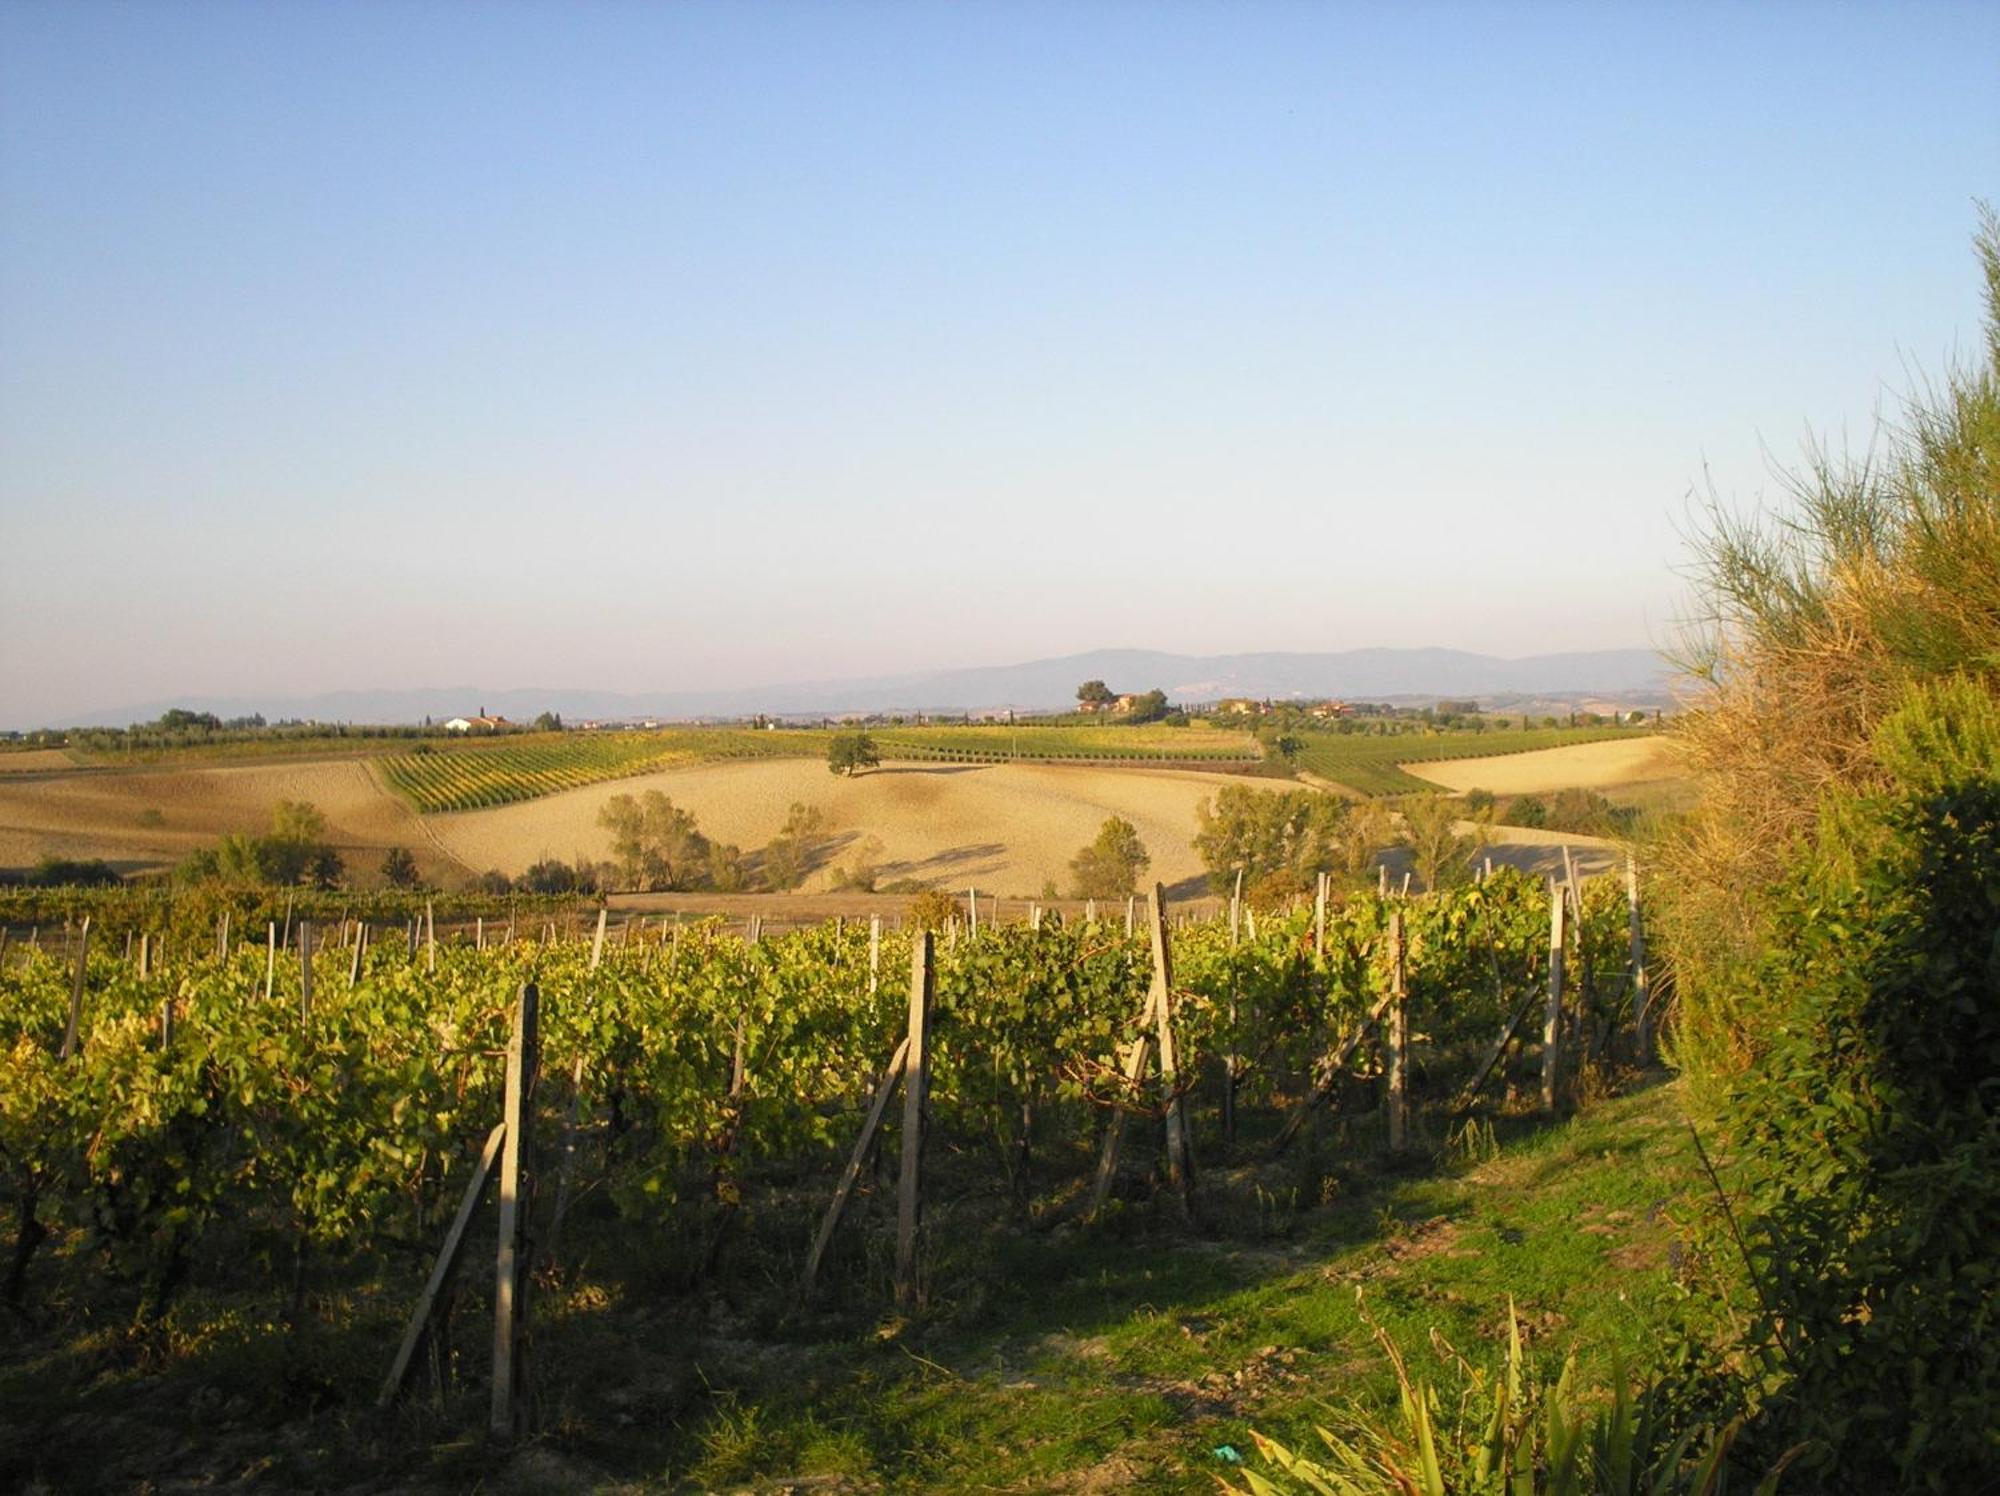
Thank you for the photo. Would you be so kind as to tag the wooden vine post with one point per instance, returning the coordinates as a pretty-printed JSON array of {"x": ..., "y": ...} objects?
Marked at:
[
  {"x": 1180, "y": 1156},
  {"x": 1642, "y": 993},
  {"x": 442, "y": 1271},
  {"x": 1399, "y": 1036},
  {"x": 510, "y": 1280},
  {"x": 916, "y": 1085},
  {"x": 892, "y": 1075},
  {"x": 305, "y": 971},
  {"x": 1552, "y": 1020},
  {"x": 74, "y": 1032},
  {"x": 270, "y": 959}
]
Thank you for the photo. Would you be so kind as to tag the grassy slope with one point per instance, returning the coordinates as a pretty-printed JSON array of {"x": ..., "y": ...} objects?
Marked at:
[
  {"x": 1127, "y": 1363},
  {"x": 1117, "y": 1358}
]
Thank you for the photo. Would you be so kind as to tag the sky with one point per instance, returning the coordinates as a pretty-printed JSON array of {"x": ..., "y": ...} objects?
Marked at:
[{"x": 649, "y": 347}]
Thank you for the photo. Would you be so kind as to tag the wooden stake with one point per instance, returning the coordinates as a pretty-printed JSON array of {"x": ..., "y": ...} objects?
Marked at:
[
  {"x": 74, "y": 1033},
  {"x": 1114, "y": 1131},
  {"x": 145, "y": 955},
  {"x": 1180, "y": 1157},
  {"x": 441, "y": 1270},
  {"x": 1552, "y": 1022},
  {"x": 430, "y": 939},
  {"x": 360, "y": 950},
  {"x": 1381, "y": 880},
  {"x": 874, "y": 953},
  {"x": 1327, "y": 1076},
  {"x": 305, "y": 971},
  {"x": 270, "y": 959},
  {"x": 597, "y": 942},
  {"x": 972, "y": 914},
  {"x": 856, "y": 1161},
  {"x": 916, "y": 1086},
  {"x": 1642, "y": 993},
  {"x": 1399, "y": 1037},
  {"x": 510, "y": 1308},
  {"x": 1319, "y": 916}
]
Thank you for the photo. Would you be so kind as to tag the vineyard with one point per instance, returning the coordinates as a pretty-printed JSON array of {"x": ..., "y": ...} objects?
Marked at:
[
  {"x": 1367, "y": 762},
  {"x": 298, "y": 1128},
  {"x": 475, "y": 776}
]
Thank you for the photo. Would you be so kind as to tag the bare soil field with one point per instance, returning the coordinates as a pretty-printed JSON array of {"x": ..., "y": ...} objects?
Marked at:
[
  {"x": 1591, "y": 766},
  {"x": 146, "y": 818},
  {"x": 1008, "y": 828}
]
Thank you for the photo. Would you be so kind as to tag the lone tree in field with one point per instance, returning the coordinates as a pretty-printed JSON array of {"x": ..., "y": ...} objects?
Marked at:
[
  {"x": 1094, "y": 694},
  {"x": 1281, "y": 842},
  {"x": 656, "y": 843},
  {"x": 1439, "y": 855},
  {"x": 399, "y": 868},
  {"x": 1109, "y": 867},
  {"x": 850, "y": 751}
]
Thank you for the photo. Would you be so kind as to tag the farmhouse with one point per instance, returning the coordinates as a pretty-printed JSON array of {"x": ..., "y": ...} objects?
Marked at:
[
  {"x": 480, "y": 723},
  {"x": 1243, "y": 706}
]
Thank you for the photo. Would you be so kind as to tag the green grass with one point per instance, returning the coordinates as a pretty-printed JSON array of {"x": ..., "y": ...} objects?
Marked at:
[
  {"x": 1368, "y": 763},
  {"x": 1132, "y": 1359},
  {"x": 1142, "y": 744},
  {"x": 1111, "y": 1358}
]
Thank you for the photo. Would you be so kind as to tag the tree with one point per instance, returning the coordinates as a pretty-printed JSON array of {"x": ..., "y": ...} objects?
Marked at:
[
  {"x": 1438, "y": 853},
  {"x": 654, "y": 843},
  {"x": 850, "y": 751},
  {"x": 1109, "y": 867},
  {"x": 399, "y": 868},
  {"x": 1094, "y": 693},
  {"x": 1151, "y": 706},
  {"x": 796, "y": 850},
  {"x": 549, "y": 722},
  {"x": 1281, "y": 841}
]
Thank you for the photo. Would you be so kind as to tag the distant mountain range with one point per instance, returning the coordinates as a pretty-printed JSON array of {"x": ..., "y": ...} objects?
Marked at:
[{"x": 1637, "y": 676}]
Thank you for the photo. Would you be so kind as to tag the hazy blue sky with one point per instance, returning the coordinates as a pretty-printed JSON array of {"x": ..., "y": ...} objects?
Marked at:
[{"x": 380, "y": 344}]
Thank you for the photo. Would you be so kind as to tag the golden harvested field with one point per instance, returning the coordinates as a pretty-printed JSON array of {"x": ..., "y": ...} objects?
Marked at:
[
  {"x": 1591, "y": 766},
  {"x": 1003, "y": 827},
  {"x": 35, "y": 761},
  {"x": 151, "y": 817}
]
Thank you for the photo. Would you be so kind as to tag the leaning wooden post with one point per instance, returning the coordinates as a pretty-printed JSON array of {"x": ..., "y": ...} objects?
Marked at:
[
  {"x": 1180, "y": 1159},
  {"x": 597, "y": 941},
  {"x": 1399, "y": 1037},
  {"x": 916, "y": 1083},
  {"x": 74, "y": 1032},
  {"x": 305, "y": 971},
  {"x": 851, "y": 1175},
  {"x": 1642, "y": 993},
  {"x": 360, "y": 949},
  {"x": 510, "y": 1278},
  {"x": 270, "y": 959},
  {"x": 441, "y": 1271},
  {"x": 1552, "y": 1022}
]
